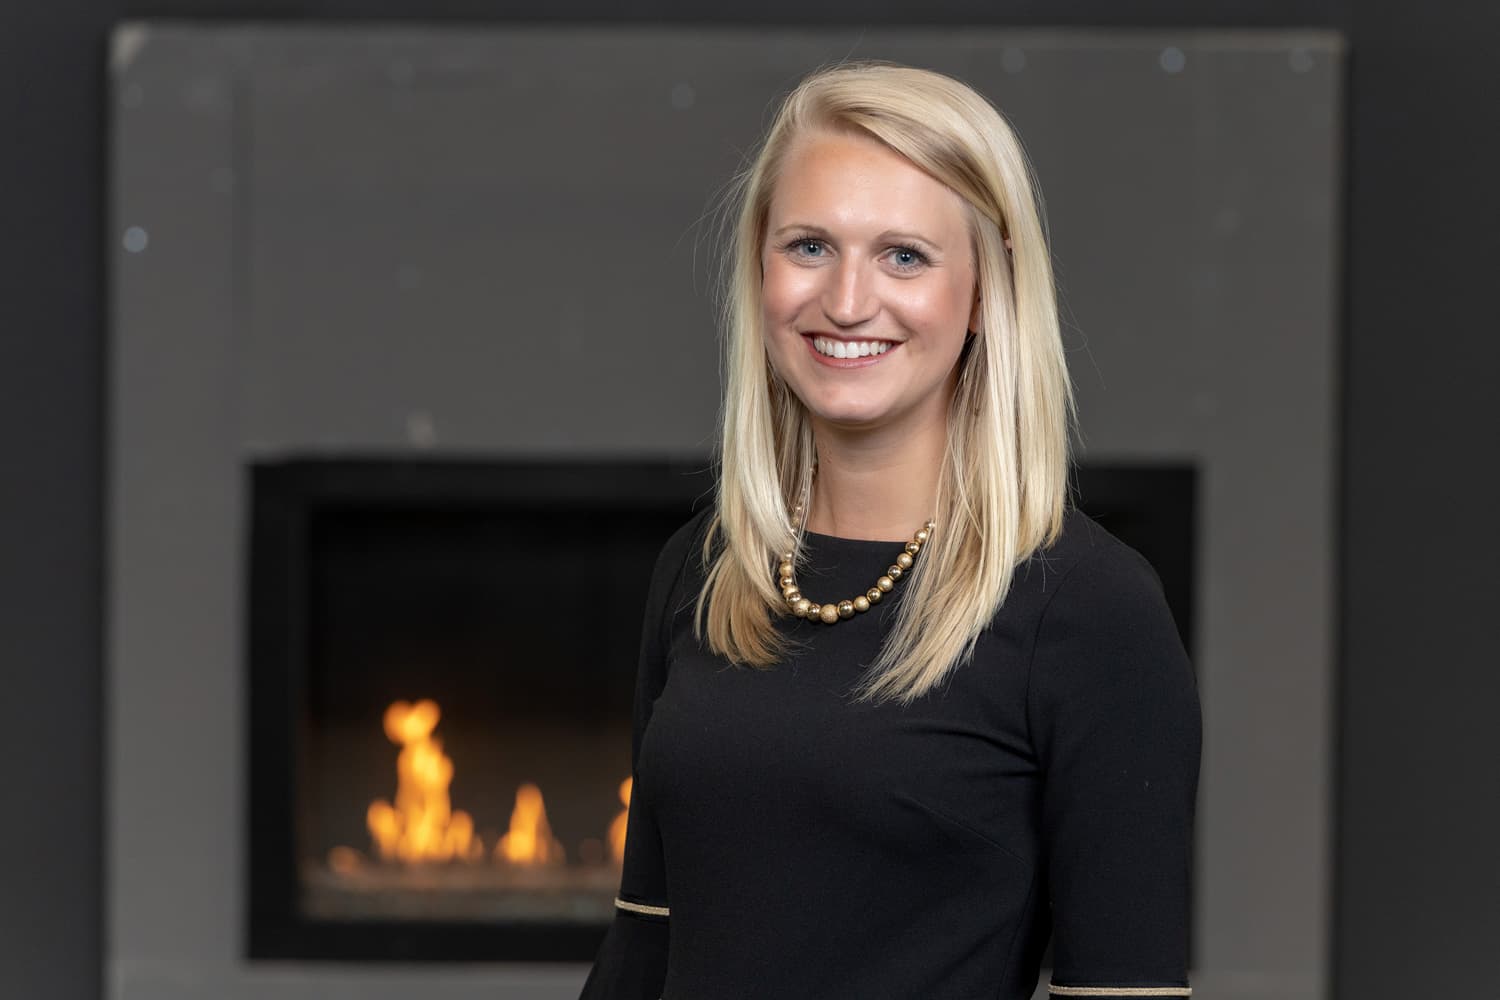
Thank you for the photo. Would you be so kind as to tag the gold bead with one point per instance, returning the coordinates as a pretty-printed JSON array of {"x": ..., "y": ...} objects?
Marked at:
[
  {"x": 904, "y": 560},
  {"x": 787, "y": 581},
  {"x": 885, "y": 583},
  {"x": 861, "y": 603},
  {"x": 846, "y": 609},
  {"x": 814, "y": 611},
  {"x": 791, "y": 594},
  {"x": 800, "y": 606},
  {"x": 874, "y": 595},
  {"x": 893, "y": 571},
  {"x": 913, "y": 547},
  {"x": 829, "y": 614},
  {"x": 923, "y": 535}
]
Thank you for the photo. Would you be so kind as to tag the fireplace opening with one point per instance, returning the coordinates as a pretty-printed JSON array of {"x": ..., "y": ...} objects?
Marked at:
[{"x": 441, "y": 670}]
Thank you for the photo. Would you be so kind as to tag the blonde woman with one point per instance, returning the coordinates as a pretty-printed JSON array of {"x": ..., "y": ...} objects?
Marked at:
[{"x": 902, "y": 714}]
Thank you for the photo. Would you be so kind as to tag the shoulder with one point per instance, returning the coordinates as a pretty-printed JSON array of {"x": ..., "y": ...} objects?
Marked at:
[
  {"x": 1087, "y": 565},
  {"x": 665, "y": 605},
  {"x": 679, "y": 559},
  {"x": 684, "y": 546},
  {"x": 1105, "y": 644}
]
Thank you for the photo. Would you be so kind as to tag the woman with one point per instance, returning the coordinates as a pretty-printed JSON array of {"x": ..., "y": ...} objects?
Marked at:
[{"x": 901, "y": 712}]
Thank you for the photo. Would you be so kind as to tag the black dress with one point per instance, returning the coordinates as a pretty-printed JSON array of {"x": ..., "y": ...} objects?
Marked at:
[{"x": 786, "y": 842}]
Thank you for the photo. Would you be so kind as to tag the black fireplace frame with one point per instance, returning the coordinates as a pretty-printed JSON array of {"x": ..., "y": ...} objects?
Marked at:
[
  {"x": 286, "y": 494},
  {"x": 1152, "y": 506}
]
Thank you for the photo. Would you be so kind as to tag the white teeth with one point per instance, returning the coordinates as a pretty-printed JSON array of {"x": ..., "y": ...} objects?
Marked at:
[{"x": 856, "y": 349}]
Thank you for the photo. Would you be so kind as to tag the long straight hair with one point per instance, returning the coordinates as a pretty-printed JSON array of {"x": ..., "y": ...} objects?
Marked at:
[{"x": 1003, "y": 486}]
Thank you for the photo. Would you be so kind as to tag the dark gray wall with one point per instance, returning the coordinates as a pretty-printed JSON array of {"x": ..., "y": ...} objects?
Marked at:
[
  {"x": 1417, "y": 908},
  {"x": 51, "y": 366},
  {"x": 1417, "y": 881}
]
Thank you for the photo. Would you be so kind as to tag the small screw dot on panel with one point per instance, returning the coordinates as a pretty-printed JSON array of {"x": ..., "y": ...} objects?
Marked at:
[
  {"x": 1300, "y": 60},
  {"x": 1172, "y": 59},
  {"x": 1012, "y": 59},
  {"x": 135, "y": 239},
  {"x": 421, "y": 429}
]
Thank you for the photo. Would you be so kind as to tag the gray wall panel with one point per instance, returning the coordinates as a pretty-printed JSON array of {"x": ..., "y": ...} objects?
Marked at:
[{"x": 382, "y": 240}]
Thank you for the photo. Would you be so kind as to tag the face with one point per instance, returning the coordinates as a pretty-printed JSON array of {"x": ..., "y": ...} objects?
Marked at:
[{"x": 868, "y": 286}]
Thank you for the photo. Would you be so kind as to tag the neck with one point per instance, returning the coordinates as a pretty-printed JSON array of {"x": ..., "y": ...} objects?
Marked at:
[{"x": 874, "y": 485}]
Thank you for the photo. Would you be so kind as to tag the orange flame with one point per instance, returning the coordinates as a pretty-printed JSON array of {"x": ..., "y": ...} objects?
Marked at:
[
  {"x": 529, "y": 840},
  {"x": 422, "y": 825},
  {"x": 617, "y": 828}
]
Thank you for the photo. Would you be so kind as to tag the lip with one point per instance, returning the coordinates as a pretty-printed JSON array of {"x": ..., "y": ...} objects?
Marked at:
[{"x": 865, "y": 362}]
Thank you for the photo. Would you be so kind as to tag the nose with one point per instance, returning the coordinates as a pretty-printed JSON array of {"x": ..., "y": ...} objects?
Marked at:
[{"x": 849, "y": 296}]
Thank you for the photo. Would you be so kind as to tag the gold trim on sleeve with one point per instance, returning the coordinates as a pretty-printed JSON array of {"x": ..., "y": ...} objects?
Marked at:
[
  {"x": 650, "y": 911},
  {"x": 1120, "y": 991}
]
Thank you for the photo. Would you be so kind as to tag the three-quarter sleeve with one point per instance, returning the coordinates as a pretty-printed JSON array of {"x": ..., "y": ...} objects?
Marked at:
[
  {"x": 1113, "y": 709},
  {"x": 632, "y": 960}
]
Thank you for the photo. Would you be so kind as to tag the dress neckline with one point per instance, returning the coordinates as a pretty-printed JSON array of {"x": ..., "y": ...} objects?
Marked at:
[{"x": 838, "y": 540}]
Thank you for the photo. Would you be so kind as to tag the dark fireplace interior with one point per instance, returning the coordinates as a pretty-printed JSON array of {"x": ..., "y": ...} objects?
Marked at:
[{"x": 442, "y": 659}]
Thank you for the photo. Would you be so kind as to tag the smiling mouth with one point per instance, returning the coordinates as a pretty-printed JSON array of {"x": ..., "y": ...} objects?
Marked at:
[{"x": 831, "y": 347}]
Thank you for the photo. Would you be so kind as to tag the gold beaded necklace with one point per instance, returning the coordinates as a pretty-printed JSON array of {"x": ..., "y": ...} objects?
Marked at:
[{"x": 830, "y": 614}]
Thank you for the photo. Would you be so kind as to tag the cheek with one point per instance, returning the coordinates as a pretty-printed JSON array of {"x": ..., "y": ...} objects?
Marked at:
[
  {"x": 938, "y": 308},
  {"x": 785, "y": 290},
  {"x": 780, "y": 305}
]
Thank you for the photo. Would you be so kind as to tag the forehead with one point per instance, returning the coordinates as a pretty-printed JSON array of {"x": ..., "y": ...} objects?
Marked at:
[{"x": 850, "y": 181}]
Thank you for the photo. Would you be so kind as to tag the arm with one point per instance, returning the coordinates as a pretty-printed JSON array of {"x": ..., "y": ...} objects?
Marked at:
[
  {"x": 1114, "y": 714},
  {"x": 632, "y": 960}
]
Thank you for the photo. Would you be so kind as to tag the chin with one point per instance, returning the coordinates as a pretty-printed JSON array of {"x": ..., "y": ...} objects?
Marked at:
[{"x": 851, "y": 418}]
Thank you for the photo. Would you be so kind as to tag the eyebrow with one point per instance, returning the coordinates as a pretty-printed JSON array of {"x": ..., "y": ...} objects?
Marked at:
[{"x": 897, "y": 235}]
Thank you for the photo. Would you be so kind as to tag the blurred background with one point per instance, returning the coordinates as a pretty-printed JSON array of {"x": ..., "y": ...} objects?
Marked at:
[{"x": 344, "y": 338}]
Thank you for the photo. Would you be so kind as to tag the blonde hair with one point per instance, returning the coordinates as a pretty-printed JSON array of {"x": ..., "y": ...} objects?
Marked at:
[{"x": 1003, "y": 486}]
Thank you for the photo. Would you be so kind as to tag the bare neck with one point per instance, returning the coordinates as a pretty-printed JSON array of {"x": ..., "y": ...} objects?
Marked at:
[{"x": 875, "y": 486}]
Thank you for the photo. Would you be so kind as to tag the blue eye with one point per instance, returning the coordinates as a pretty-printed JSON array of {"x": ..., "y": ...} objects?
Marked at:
[
  {"x": 908, "y": 259},
  {"x": 813, "y": 247}
]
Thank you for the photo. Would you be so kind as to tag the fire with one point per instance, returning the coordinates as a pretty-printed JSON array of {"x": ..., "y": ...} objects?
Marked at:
[
  {"x": 617, "y": 828},
  {"x": 422, "y": 825},
  {"x": 529, "y": 840}
]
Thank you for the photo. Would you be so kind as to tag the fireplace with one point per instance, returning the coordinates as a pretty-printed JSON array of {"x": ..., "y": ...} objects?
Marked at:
[
  {"x": 441, "y": 667},
  {"x": 442, "y": 657}
]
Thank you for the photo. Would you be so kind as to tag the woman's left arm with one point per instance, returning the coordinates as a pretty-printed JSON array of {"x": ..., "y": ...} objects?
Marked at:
[{"x": 1114, "y": 714}]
